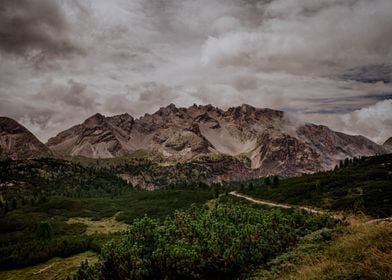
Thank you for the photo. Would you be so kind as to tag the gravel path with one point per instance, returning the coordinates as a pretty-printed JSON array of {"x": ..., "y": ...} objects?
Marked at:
[
  {"x": 307, "y": 209},
  {"x": 273, "y": 204}
]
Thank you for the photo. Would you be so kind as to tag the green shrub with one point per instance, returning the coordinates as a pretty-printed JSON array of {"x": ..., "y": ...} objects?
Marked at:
[{"x": 202, "y": 244}]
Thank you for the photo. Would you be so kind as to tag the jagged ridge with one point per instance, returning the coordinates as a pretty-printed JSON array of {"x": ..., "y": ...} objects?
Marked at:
[
  {"x": 274, "y": 142},
  {"x": 16, "y": 142},
  {"x": 388, "y": 144}
]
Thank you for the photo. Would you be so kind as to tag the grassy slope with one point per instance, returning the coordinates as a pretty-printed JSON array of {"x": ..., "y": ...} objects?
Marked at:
[
  {"x": 361, "y": 251},
  {"x": 57, "y": 268}
]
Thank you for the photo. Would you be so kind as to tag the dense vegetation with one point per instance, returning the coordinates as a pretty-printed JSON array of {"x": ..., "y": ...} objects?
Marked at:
[
  {"x": 204, "y": 169},
  {"x": 357, "y": 251},
  {"x": 38, "y": 197},
  {"x": 32, "y": 182},
  {"x": 221, "y": 241},
  {"x": 218, "y": 243},
  {"x": 356, "y": 185}
]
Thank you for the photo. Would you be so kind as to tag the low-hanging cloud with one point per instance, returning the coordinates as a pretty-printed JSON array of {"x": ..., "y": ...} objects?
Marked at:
[{"x": 374, "y": 122}]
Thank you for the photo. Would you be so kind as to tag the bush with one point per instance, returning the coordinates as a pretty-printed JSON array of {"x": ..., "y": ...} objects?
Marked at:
[{"x": 202, "y": 244}]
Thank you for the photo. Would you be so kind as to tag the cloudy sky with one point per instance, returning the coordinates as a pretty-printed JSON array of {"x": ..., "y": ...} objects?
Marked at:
[{"x": 328, "y": 61}]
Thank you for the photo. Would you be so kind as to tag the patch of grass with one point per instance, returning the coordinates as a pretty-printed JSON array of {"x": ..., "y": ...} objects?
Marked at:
[
  {"x": 104, "y": 226},
  {"x": 57, "y": 268},
  {"x": 360, "y": 251}
]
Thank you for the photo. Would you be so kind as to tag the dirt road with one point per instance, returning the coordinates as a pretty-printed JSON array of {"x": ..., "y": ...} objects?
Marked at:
[{"x": 272, "y": 204}]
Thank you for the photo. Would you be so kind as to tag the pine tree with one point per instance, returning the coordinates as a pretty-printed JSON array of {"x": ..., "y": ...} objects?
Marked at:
[
  {"x": 267, "y": 181},
  {"x": 275, "y": 181}
]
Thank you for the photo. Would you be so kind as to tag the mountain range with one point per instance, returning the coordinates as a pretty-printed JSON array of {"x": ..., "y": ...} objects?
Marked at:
[{"x": 272, "y": 141}]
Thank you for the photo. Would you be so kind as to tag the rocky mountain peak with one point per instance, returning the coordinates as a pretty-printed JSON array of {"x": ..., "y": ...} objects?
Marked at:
[
  {"x": 247, "y": 108},
  {"x": 16, "y": 142},
  {"x": 388, "y": 141},
  {"x": 388, "y": 144},
  {"x": 95, "y": 120},
  {"x": 8, "y": 125},
  {"x": 121, "y": 119},
  {"x": 124, "y": 121},
  {"x": 166, "y": 111}
]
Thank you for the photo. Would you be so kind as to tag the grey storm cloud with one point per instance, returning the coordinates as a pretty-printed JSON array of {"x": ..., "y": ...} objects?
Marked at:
[
  {"x": 326, "y": 60},
  {"x": 27, "y": 26},
  {"x": 369, "y": 73}
]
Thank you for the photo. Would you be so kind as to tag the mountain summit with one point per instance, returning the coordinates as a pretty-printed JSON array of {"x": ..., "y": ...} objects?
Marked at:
[
  {"x": 271, "y": 140},
  {"x": 388, "y": 144},
  {"x": 16, "y": 142}
]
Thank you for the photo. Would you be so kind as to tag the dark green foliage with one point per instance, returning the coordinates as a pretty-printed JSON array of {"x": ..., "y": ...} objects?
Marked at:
[
  {"x": 35, "y": 180},
  {"x": 221, "y": 243},
  {"x": 360, "y": 185},
  {"x": 275, "y": 181},
  {"x": 27, "y": 228},
  {"x": 40, "y": 195},
  {"x": 37, "y": 251},
  {"x": 44, "y": 231},
  {"x": 181, "y": 174},
  {"x": 267, "y": 181}
]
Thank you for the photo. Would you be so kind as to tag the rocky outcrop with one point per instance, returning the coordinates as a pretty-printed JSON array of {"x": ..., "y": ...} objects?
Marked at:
[
  {"x": 388, "y": 145},
  {"x": 273, "y": 142},
  {"x": 97, "y": 137},
  {"x": 17, "y": 143}
]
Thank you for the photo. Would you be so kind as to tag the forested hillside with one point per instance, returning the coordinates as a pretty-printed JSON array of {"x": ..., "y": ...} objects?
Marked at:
[
  {"x": 39, "y": 198},
  {"x": 356, "y": 185},
  {"x": 58, "y": 208}
]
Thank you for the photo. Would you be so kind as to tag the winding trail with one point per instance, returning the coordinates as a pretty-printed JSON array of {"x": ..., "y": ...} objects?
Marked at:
[
  {"x": 273, "y": 204},
  {"x": 335, "y": 215}
]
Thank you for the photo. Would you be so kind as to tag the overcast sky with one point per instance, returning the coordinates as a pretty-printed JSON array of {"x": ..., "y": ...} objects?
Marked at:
[{"x": 329, "y": 61}]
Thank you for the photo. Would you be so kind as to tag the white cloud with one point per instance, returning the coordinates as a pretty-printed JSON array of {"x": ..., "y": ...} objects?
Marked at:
[{"x": 373, "y": 122}]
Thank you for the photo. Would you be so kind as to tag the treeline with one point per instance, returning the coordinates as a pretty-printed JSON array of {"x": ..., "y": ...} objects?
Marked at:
[
  {"x": 22, "y": 254},
  {"x": 34, "y": 182},
  {"x": 219, "y": 243}
]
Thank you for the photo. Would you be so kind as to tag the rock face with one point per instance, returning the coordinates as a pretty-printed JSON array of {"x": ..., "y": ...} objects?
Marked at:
[
  {"x": 274, "y": 142},
  {"x": 388, "y": 145},
  {"x": 97, "y": 137},
  {"x": 17, "y": 143}
]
